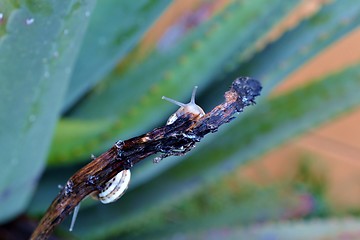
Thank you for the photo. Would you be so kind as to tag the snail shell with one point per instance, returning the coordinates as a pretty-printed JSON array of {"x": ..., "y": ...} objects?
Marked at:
[
  {"x": 112, "y": 191},
  {"x": 187, "y": 108},
  {"x": 115, "y": 187}
]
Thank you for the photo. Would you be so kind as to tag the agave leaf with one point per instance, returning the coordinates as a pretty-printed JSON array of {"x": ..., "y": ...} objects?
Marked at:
[
  {"x": 316, "y": 229},
  {"x": 114, "y": 29},
  {"x": 38, "y": 45},
  {"x": 233, "y": 201},
  {"x": 78, "y": 131},
  {"x": 131, "y": 99},
  {"x": 270, "y": 123},
  {"x": 191, "y": 57},
  {"x": 302, "y": 43}
]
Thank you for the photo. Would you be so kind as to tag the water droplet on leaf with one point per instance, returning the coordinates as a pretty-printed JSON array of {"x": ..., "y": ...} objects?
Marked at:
[
  {"x": 157, "y": 159},
  {"x": 29, "y": 21}
]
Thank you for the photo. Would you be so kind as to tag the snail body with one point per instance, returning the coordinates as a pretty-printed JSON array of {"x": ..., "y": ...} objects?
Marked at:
[{"x": 185, "y": 108}]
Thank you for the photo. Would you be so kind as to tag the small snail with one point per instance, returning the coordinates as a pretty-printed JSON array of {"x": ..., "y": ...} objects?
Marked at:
[
  {"x": 115, "y": 187},
  {"x": 112, "y": 191},
  {"x": 190, "y": 107}
]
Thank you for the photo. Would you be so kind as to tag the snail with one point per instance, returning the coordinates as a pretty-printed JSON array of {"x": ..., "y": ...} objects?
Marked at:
[
  {"x": 112, "y": 191},
  {"x": 115, "y": 187},
  {"x": 190, "y": 107}
]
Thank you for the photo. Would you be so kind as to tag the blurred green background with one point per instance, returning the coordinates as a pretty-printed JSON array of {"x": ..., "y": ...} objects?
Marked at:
[{"x": 75, "y": 76}]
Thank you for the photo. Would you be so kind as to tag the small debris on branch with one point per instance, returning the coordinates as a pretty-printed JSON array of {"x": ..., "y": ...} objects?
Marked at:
[{"x": 176, "y": 138}]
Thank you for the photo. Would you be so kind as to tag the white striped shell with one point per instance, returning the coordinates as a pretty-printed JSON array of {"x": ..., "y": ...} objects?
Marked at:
[
  {"x": 190, "y": 107},
  {"x": 112, "y": 191},
  {"x": 115, "y": 187}
]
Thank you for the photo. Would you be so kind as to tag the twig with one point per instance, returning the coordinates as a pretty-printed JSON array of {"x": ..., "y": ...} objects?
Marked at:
[{"x": 174, "y": 139}]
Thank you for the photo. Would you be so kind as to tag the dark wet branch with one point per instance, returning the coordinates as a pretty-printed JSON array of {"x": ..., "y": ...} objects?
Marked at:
[{"x": 175, "y": 139}]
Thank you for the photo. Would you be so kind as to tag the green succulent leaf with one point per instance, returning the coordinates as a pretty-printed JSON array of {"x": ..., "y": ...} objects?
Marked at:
[
  {"x": 316, "y": 229},
  {"x": 115, "y": 27},
  {"x": 39, "y": 41},
  {"x": 235, "y": 200},
  {"x": 293, "y": 49},
  {"x": 302, "y": 43}
]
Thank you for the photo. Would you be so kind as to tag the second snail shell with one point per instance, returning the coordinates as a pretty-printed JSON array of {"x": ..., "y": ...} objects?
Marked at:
[{"x": 115, "y": 187}]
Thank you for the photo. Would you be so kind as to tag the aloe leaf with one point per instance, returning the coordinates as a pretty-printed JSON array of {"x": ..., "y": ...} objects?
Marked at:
[
  {"x": 237, "y": 26},
  {"x": 78, "y": 131},
  {"x": 193, "y": 215},
  {"x": 302, "y": 43},
  {"x": 315, "y": 229},
  {"x": 294, "y": 48},
  {"x": 235, "y": 200},
  {"x": 114, "y": 29},
  {"x": 267, "y": 125},
  {"x": 38, "y": 45},
  {"x": 132, "y": 98}
]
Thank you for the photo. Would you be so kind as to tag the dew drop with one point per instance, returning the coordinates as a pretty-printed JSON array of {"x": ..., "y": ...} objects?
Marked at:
[
  {"x": 87, "y": 14},
  {"x": 92, "y": 180},
  {"x": 68, "y": 187},
  {"x": 157, "y": 159},
  {"x": 119, "y": 144},
  {"x": 1, "y": 17},
  {"x": 29, "y": 21},
  {"x": 66, "y": 31},
  {"x": 56, "y": 54}
]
